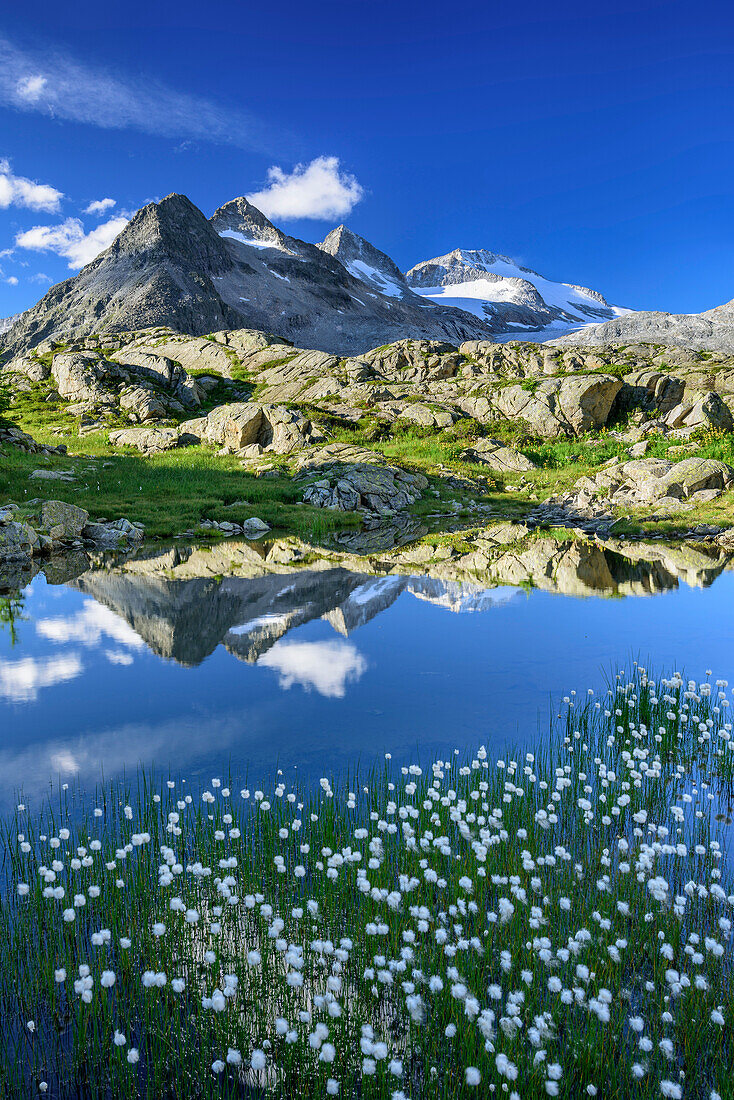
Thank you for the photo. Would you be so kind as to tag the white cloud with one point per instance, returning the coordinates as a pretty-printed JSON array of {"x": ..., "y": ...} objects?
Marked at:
[
  {"x": 31, "y": 88},
  {"x": 21, "y": 681},
  {"x": 88, "y": 626},
  {"x": 100, "y": 206},
  {"x": 59, "y": 86},
  {"x": 326, "y": 666},
  {"x": 19, "y": 191},
  {"x": 12, "y": 280},
  {"x": 316, "y": 190},
  {"x": 68, "y": 239}
]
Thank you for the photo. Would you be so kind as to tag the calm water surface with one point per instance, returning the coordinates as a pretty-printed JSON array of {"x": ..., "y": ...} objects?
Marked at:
[{"x": 314, "y": 670}]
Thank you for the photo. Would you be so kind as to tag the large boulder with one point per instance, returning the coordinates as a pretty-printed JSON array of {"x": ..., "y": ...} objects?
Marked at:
[
  {"x": 79, "y": 377},
  {"x": 28, "y": 367},
  {"x": 493, "y": 453},
  {"x": 147, "y": 440},
  {"x": 709, "y": 411},
  {"x": 244, "y": 424},
  {"x": 61, "y": 521},
  {"x": 234, "y": 426},
  {"x": 693, "y": 475},
  {"x": 284, "y": 430},
  {"x": 142, "y": 402},
  {"x": 16, "y": 540},
  {"x": 426, "y": 416},
  {"x": 561, "y": 406}
]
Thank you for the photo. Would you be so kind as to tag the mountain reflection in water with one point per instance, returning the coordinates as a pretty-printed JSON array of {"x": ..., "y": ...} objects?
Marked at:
[
  {"x": 337, "y": 656},
  {"x": 186, "y": 601}
]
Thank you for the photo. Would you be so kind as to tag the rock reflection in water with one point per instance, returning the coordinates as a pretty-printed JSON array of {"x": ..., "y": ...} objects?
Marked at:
[{"x": 186, "y": 601}]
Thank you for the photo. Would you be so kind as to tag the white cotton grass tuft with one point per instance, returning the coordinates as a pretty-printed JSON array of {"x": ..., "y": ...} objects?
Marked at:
[{"x": 466, "y": 906}]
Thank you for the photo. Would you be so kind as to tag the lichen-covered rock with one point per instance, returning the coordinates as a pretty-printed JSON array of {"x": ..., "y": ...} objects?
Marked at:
[
  {"x": 16, "y": 540},
  {"x": 561, "y": 406},
  {"x": 61, "y": 520},
  {"x": 143, "y": 403},
  {"x": 234, "y": 425},
  {"x": 426, "y": 416},
  {"x": 242, "y": 425}
]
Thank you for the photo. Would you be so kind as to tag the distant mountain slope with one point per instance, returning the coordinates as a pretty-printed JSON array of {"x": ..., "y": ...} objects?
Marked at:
[
  {"x": 712, "y": 330},
  {"x": 172, "y": 266},
  {"x": 499, "y": 291}
]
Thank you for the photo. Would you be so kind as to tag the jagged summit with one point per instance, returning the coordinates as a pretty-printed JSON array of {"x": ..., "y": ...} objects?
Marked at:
[
  {"x": 173, "y": 228},
  {"x": 365, "y": 262},
  {"x": 239, "y": 220}
]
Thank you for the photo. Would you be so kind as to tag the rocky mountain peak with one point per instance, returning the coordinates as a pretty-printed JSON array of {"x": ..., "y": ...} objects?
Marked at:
[
  {"x": 175, "y": 228},
  {"x": 239, "y": 220},
  {"x": 364, "y": 261}
]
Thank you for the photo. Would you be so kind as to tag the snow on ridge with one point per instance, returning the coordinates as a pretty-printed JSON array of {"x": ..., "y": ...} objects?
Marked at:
[
  {"x": 235, "y": 236},
  {"x": 365, "y": 273}
]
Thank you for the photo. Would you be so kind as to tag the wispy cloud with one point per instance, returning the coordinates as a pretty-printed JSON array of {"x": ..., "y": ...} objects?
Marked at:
[
  {"x": 19, "y": 191},
  {"x": 62, "y": 87},
  {"x": 70, "y": 240},
  {"x": 100, "y": 206},
  {"x": 317, "y": 190}
]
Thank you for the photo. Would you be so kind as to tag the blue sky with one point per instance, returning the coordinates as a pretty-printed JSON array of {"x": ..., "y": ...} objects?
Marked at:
[{"x": 592, "y": 141}]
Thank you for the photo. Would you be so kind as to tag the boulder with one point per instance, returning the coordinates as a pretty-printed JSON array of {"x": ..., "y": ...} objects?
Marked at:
[
  {"x": 426, "y": 416},
  {"x": 143, "y": 402},
  {"x": 254, "y": 528},
  {"x": 34, "y": 370},
  {"x": 561, "y": 406},
  {"x": 284, "y": 430},
  {"x": 192, "y": 431},
  {"x": 710, "y": 411},
  {"x": 60, "y": 520},
  {"x": 234, "y": 425},
  {"x": 103, "y": 535},
  {"x": 354, "y": 479},
  {"x": 693, "y": 475},
  {"x": 51, "y": 475},
  {"x": 146, "y": 440},
  {"x": 241, "y": 425},
  {"x": 132, "y": 531},
  {"x": 78, "y": 376},
  {"x": 493, "y": 453}
]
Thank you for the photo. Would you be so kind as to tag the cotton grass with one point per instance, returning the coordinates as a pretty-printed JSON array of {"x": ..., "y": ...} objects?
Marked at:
[{"x": 558, "y": 923}]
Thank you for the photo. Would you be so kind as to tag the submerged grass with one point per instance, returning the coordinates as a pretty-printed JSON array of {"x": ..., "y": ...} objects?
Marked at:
[{"x": 556, "y": 924}]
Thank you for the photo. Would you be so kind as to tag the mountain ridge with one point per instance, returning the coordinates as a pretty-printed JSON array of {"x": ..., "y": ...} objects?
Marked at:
[{"x": 174, "y": 267}]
